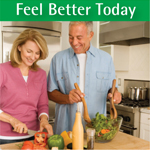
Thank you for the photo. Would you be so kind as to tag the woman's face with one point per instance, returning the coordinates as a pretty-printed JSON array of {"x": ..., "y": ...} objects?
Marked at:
[{"x": 30, "y": 52}]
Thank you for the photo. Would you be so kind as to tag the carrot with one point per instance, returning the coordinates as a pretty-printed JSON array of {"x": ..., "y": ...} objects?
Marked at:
[
  {"x": 103, "y": 131},
  {"x": 107, "y": 130}
]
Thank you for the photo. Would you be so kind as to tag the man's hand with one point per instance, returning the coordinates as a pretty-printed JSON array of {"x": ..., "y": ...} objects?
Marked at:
[
  {"x": 117, "y": 96},
  {"x": 75, "y": 96}
]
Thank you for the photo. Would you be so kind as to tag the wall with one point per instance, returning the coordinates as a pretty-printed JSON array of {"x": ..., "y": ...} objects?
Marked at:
[
  {"x": 139, "y": 64},
  {"x": 64, "y": 35}
]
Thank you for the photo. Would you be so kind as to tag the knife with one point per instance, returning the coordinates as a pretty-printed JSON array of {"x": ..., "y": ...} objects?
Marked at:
[{"x": 32, "y": 132}]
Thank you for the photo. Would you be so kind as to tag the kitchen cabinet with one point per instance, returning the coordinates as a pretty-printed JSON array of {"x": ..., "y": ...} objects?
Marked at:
[
  {"x": 119, "y": 54},
  {"x": 145, "y": 125}
]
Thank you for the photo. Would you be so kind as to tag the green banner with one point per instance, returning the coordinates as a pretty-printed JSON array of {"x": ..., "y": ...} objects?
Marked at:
[{"x": 78, "y": 10}]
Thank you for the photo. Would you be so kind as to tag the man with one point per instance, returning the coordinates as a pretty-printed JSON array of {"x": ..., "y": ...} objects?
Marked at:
[{"x": 90, "y": 67}]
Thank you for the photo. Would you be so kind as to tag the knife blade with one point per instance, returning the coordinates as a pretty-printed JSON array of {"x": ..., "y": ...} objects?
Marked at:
[{"x": 32, "y": 132}]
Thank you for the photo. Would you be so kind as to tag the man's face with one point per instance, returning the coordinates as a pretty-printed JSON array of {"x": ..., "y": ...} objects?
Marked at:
[{"x": 79, "y": 38}]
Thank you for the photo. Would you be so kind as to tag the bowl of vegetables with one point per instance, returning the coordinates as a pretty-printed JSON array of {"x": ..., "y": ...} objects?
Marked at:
[{"x": 105, "y": 127}]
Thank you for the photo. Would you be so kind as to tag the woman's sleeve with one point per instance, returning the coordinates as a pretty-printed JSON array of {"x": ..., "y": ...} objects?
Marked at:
[
  {"x": 1, "y": 111},
  {"x": 43, "y": 99},
  {"x": 1, "y": 78},
  {"x": 1, "y": 85}
]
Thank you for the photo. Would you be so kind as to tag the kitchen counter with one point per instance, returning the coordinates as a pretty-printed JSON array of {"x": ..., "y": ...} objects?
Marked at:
[
  {"x": 145, "y": 110},
  {"x": 121, "y": 141},
  {"x": 124, "y": 141}
]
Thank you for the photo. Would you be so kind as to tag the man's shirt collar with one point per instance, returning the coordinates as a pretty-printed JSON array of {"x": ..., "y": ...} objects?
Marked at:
[{"x": 91, "y": 51}]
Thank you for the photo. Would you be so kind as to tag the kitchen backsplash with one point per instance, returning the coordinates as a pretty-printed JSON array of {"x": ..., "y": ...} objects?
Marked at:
[
  {"x": 139, "y": 65},
  {"x": 136, "y": 83}
]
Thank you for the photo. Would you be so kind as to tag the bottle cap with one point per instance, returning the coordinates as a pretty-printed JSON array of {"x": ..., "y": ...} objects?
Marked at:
[{"x": 90, "y": 132}]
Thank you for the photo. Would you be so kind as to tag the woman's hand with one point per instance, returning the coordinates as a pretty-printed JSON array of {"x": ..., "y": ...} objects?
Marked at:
[
  {"x": 45, "y": 125},
  {"x": 18, "y": 126}
]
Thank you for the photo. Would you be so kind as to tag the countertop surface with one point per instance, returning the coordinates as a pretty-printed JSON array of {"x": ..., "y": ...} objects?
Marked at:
[
  {"x": 121, "y": 141},
  {"x": 145, "y": 110}
]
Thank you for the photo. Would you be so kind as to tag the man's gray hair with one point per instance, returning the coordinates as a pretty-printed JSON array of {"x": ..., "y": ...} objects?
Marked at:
[{"x": 89, "y": 24}]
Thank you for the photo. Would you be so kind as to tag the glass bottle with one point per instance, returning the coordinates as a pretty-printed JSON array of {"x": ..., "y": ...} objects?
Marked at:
[
  {"x": 90, "y": 138},
  {"x": 77, "y": 132}
]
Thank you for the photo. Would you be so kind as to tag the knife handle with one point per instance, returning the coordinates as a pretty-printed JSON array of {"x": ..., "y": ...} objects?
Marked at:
[{"x": 13, "y": 129}]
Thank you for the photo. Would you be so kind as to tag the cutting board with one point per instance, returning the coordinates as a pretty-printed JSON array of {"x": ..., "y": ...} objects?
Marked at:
[{"x": 121, "y": 141}]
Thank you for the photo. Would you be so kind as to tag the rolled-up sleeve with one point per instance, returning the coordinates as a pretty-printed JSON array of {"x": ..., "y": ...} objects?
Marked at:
[{"x": 51, "y": 79}]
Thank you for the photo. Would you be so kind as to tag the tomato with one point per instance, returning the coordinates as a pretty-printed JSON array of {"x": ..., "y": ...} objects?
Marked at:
[
  {"x": 38, "y": 147},
  {"x": 56, "y": 141},
  {"x": 28, "y": 143},
  {"x": 26, "y": 147}
]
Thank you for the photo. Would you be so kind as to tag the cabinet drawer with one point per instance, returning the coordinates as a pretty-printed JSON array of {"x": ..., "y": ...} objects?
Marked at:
[
  {"x": 145, "y": 118},
  {"x": 145, "y": 132}
]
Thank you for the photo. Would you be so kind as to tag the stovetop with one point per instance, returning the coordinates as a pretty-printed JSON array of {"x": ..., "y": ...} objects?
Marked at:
[
  {"x": 129, "y": 105},
  {"x": 134, "y": 103}
]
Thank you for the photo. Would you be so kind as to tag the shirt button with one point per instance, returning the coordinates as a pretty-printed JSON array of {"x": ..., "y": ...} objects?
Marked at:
[
  {"x": 77, "y": 64},
  {"x": 61, "y": 77},
  {"x": 77, "y": 76}
]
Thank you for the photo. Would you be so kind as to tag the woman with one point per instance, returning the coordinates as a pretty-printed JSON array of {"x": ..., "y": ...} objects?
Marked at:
[{"x": 23, "y": 89}]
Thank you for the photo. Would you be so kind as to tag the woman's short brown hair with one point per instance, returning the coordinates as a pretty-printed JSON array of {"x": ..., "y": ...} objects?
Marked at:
[{"x": 32, "y": 35}]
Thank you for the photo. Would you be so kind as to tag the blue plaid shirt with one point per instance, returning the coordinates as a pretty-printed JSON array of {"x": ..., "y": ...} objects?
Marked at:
[{"x": 65, "y": 71}]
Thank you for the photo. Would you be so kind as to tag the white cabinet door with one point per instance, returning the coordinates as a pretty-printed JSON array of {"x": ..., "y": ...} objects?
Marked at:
[
  {"x": 120, "y": 56},
  {"x": 119, "y": 53},
  {"x": 145, "y": 126},
  {"x": 145, "y": 132}
]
